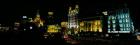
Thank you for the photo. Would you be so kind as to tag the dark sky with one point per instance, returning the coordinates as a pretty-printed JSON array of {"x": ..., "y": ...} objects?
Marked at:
[{"x": 88, "y": 8}]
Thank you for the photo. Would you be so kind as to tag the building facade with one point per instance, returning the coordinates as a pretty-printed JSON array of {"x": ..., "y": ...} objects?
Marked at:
[
  {"x": 119, "y": 21},
  {"x": 73, "y": 19},
  {"x": 92, "y": 26}
]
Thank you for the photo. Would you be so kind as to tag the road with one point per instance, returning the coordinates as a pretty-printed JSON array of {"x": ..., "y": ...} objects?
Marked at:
[{"x": 29, "y": 39}]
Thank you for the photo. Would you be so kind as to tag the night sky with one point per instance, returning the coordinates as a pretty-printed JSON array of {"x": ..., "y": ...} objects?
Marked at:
[{"x": 11, "y": 10}]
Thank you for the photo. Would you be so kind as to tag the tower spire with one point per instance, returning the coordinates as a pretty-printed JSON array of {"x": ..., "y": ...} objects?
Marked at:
[
  {"x": 38, "y": 15},
  {"x": 76, "y": 6}
]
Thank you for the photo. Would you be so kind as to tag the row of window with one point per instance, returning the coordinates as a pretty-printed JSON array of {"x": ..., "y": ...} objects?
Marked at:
[
  {"x": 120, "y": 18},
  {"x": 120, "y": 21},
  {"x": 121, "y": 29}
]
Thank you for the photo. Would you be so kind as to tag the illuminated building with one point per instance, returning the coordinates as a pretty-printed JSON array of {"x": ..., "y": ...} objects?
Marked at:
[
  {"x": 64, "y": 24},
  {"x": 96, "y": 26},
  {"x": 120, "y": 22},
  {"x": 16, "y": 25},
  {"x": 64, "y": 27},
  {"x": 52, "y": 27},
  {"x": 105, "y": 13},
  {"x": 82, "y": 25},
  {"x": 30, "y": 20},
  {"x": 4, "y": 28},
  {"x": 93, "y": 26},
  {"x": 24, "y": 19},
  {"x": 37, "y": 20},
  {"x": 72, "y": 19}
]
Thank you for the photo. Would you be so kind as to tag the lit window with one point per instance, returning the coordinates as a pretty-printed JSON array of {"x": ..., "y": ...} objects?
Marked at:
[
  {"x": 120, "y": 21},
  {"x": 119, "y": 17},
  {"x": 114, "y": 25},
  {"x": 115, "y": 17},
  {"x": 112, "y": 17},
  {"x": 113, "y": 21},
  {"x": 108, "y": 26},
  {"x": 108, "y": 22},
  {"x": 123, "y": 20},
  {"x": 124, "y": 29},
  {"x": 109, "y": 17},
  {"x": 109, "y": 29},
  {"x": 127, "y": 20},
  {"x": 127, "y": 28},
  {"x": 114, "y": 29},
  {"x": 123, "y": 15},
  {"x": 126, "y": 25},
  {"x": 121, "y": 29},
  {"x": 126, "y": 15},
  {"x": 121, "y": 25}
]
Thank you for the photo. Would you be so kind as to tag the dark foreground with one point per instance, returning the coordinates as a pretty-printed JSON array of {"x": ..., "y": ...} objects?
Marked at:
[{"x": 32, "y": 39}]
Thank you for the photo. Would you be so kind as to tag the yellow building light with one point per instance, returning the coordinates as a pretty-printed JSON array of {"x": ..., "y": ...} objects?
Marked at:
[
  {"x": 17, "y": 24},
  {"x": 96, "y": 26},
  {"x": 81, "y": 23},
  {"x": 138, "y": 37},
  {"x": 38, "y": 16},
  {"x": 52, "y": 28},
  {"x": 64, "y": 24},
  {"x": 41, "y": 23},
  {"x": 50, "y": 13},
  {"x": 76, "y": 6},
  {"x": 70, "y": 8},
  {"x": 31, "y": 20},
  {"x": 38, "y": 21}
]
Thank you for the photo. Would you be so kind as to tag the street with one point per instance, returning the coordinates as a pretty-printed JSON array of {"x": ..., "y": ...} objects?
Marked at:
[{"x": 28, "y": 38}]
